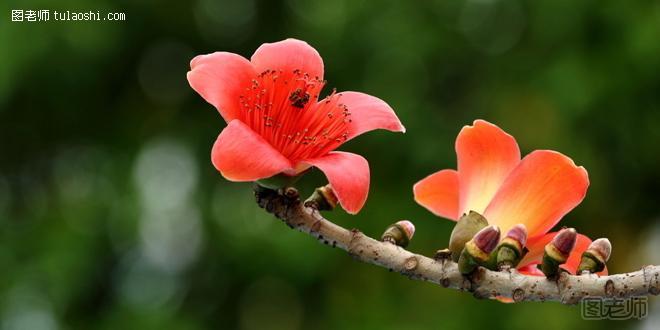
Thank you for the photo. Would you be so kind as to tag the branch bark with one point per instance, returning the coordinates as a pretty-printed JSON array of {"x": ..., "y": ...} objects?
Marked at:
[{"x": 483, "y": 283}]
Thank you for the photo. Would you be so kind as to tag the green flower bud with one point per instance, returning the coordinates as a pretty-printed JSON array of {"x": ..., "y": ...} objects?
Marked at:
[
  {"x": 477, "y": 250},
  {"x": 399, "y": 233},
  {"x": 466, "y": 227},
  {"x": 595, "y": 257},
  {"x": 557, "y": 252},
  {"x": 511, "y": 248}
]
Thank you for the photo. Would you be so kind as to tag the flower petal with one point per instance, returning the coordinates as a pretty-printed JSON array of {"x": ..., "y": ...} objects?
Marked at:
[
  {"x": 348, "y": 175},
  {"x": 438, "y": 193},
  {"x": 538, "y": 193},
  {"x": 486, "y": 155},
  {"x": 288, "y": 55},
  {"x": 220, "y": 78},
  {"x": 240, "y": 154},
  {"x": 535, "y": 254},
  {"x": 368, "y": 113}
]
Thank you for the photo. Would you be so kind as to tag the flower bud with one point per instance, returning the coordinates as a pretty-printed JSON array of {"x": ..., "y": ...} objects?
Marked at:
[
  {"x": 565, "y": 241},
  {"x": 557, "y": 251},
  {"x": 477, "y": 250},
  {"x": 595, "y": 257},
  {"x": 511, "y": 249},
  {"x": 466, "y": 227},
  {"x": 486, "y": 239},
  {"x": 323, "y": 199},
  {"x": 399, "y": 233}
]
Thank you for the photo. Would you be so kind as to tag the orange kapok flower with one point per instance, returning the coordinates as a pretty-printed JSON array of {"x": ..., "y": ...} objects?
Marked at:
[
  {"x": 277, "y": 125},
  {"x": 493, "y": 180}
]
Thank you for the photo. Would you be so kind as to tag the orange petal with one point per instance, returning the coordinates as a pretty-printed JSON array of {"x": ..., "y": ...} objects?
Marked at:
[
  {"x": 438, "y": 193},
  {"x": 348, "y": 175},
  {"x": 220, "y": 78},
  {"x": 240, "y": 154},
  {"x": 535, "y": 254},
  {"x": 538, "y": 193},
  {"x": 486, "y": 154}
]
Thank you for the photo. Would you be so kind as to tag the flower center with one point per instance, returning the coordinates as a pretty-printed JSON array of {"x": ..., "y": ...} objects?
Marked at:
[{"x": 277, "y": 106}]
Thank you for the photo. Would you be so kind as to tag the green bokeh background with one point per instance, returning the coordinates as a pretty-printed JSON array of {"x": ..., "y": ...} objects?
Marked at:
[{"x": 112, "y": 217}]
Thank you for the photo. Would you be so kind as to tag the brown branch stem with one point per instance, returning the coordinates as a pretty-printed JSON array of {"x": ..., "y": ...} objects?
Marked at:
[{"x": 483, "y": 283}]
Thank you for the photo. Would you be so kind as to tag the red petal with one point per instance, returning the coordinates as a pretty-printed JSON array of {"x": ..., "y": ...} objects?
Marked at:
[
  {"x": 220, "y": 78},
  {"x": 348, "y": 175},
  {"x": 368, "y": 113},
  {"x": 438, "y": 193},
  {"x": 288, "y": 55},
  {"x": 538, "y": 193},
  {"x": 530, "y": 270},
  {"x": 535, "y": 254},
  {"x": 486, "y": 155},
  {"x": 240, "y": 154}
]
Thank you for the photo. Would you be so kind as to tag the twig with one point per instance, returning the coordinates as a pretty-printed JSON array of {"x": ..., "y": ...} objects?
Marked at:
[{"x": 483, "y": 283}]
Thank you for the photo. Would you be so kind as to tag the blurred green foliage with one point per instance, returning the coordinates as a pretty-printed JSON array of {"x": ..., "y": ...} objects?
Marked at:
[{"x": 112, "y": 217}]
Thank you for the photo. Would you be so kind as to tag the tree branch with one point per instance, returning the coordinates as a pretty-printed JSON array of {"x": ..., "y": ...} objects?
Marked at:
[{"x": 483, "y": 283}]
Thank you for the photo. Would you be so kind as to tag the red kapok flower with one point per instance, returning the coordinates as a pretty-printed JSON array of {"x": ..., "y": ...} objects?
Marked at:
[
  {"x": 492, "y": 180},
  {"x": 276, "y": 124}
]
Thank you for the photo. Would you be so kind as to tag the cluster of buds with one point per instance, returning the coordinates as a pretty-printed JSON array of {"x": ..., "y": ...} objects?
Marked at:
[
  {"x": 474, "y": 243},
  {"x": 466, "y": 227},
  {"x": 557, "y": 252}
]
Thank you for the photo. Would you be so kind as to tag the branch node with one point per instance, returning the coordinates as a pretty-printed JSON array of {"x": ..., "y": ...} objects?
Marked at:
[
  {"x": 316, "y": 227},
  {"x": 442, "y": 255},
  {"x": 445, "y": 282},
  {"x": 518, "y": 295},
  {"x": 410, "y": 264},
  {"x": 609, "y": 288},
  {"x": 291, "y": 193}
]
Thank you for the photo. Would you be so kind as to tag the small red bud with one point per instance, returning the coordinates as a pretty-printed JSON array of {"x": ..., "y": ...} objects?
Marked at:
[
  {"x": 408, "y": 227},
  {"x": 487, "y": 238},
  {"x": 399, "y": 233},
  {"x": 594, "y": 258},
  {"x": 518, "y": 233},
  {"x": 602, "y": 247},
  {"x": 565, "y": 240}
]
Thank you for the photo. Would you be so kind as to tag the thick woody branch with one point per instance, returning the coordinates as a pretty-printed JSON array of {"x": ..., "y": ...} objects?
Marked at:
[{"x": 483, "y": 283}]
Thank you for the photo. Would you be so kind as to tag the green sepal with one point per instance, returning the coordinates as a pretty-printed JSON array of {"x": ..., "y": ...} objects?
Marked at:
[
  {"x": 279, "y": 181},
  {"x": 550, "y": 266},
  {"x": 466, "y": 227},
  {"x": 467, "y": 263},
  {"x": 590, "y": 263}
]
